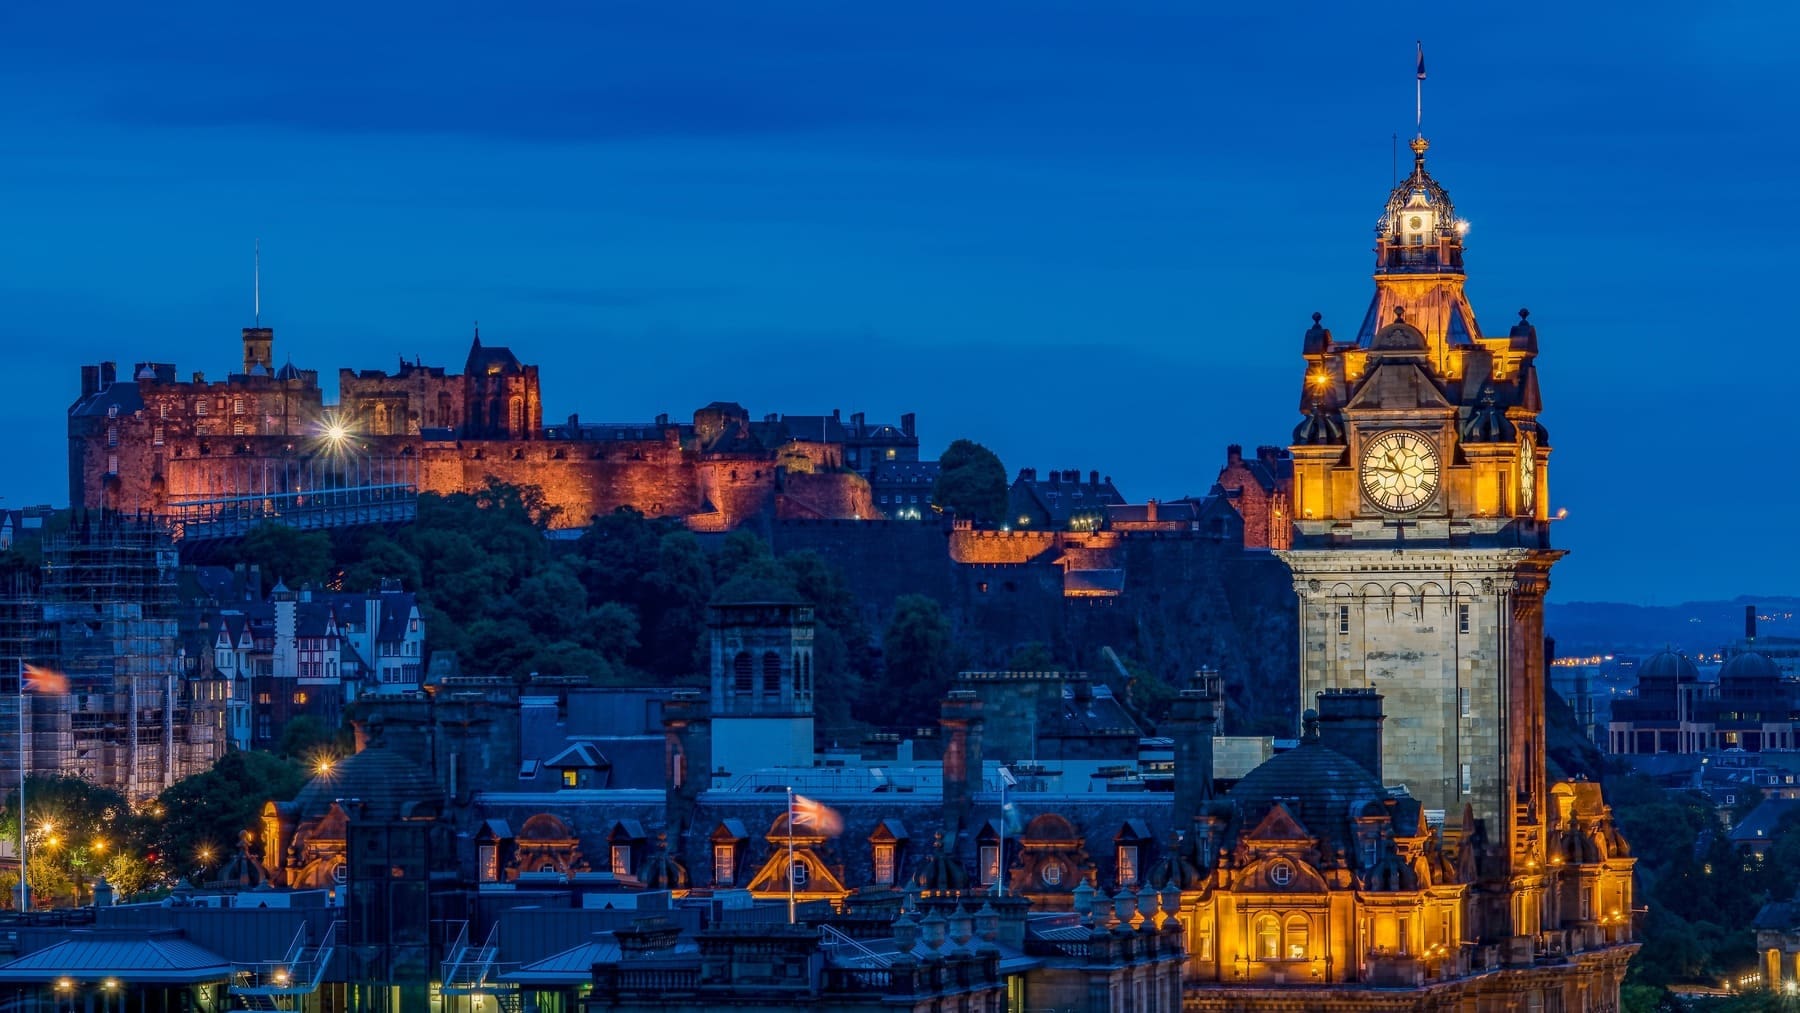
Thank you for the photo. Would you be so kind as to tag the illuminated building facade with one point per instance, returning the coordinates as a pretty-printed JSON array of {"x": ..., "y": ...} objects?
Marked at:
[
  {"x": 266, "y": 439},
  {"x": 1421, "y": 556}
]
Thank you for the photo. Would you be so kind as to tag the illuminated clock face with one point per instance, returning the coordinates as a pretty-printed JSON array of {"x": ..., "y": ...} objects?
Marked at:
[
  {"x": 1527, "y": 476},
  {"x": 1399, "y": 470},
  {"x": 1415, "y": 222}
]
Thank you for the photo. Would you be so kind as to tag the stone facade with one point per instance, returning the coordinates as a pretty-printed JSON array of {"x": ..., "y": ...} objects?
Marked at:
[{"x": 266, "y": 439}]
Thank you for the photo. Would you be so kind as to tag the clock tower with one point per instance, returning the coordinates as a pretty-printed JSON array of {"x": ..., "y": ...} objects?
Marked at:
[{"x": 1421, "y": 548}]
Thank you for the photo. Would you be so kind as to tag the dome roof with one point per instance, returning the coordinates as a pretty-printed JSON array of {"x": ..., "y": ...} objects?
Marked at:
[
  {"x": 1320, "y": 785},
  {"x": 1488, "y": 422},
  {"x": 380, "y": 778},
  {"x": 1669, "y": 665},
  {"x": 1417, "y": 191},
  {"x": 1749, "y": 665},
  {"x": 1320, "y": 428}
]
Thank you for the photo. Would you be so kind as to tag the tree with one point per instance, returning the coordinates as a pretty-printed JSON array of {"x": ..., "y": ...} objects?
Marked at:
[
  {"x": 285, "y": 554},
  {"x": 617, "y": 553},
  {"x": 674, "y": 608},
  {"x": 917, "y": 651},
  {"x": 307, "y": 740},
  {"x": 971, "y": 483},
  {"x": 202, "y": 815}
]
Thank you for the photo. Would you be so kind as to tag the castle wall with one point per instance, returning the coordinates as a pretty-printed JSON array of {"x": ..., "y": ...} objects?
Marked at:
[{"x": 825, "y": 495}]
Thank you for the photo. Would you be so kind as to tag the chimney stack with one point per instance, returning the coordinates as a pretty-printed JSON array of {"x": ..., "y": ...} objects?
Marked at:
[
  {"x": 1193, "y": 721},
  {"x": 1350, "y": 722},
  {"x": 960, "y": 718}
]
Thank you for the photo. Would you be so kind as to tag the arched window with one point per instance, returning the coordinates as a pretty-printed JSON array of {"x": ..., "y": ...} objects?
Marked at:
[
  {"x": 1268, "y": 938},
  {"x": 517, "y": 415},
  {"x": 1296, "y": 937},
  {"x": 771, "y": 668},
  {"x": 743, "y": 673},
  {"x": 1204, "y": 943}
]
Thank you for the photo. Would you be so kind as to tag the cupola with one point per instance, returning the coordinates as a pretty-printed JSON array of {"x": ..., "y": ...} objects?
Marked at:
[{"x": 1419, "y": 232}]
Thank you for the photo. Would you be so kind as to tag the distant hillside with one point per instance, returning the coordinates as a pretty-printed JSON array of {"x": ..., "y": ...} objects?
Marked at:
[{"x": 1597, "y": 627}]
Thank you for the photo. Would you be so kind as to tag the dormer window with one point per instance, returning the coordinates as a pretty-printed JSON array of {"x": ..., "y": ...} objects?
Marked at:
[
  {"x": 1128, "y": 865},
  {"x": 884, "y": 865},
  {"x": 724, "y": 864},
  {"x": 621, "y": 859}
]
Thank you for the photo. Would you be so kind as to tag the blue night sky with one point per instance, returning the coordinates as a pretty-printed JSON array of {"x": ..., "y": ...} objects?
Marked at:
[{"x": 1089, "y": 236}]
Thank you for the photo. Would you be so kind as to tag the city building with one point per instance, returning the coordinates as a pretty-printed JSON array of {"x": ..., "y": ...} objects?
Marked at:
[{"x": 101, "y": 612}]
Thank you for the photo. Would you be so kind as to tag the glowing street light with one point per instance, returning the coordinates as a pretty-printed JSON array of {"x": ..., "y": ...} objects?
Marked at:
[{"x": 322, "y": 767}]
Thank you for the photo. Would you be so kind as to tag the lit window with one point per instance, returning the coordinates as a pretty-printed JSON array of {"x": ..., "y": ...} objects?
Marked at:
[
  {"x": 570, "y": 777},
  {"x": 300, "y": 699},
  {"x": 797, "y": 872},
  {"x": 724, "y": 865},
  {"x": 237, "y": 406},
  {"x": 1296, "y": 937},
  {"x": 112, "y": 436},
  {"x": 890, "y": 454},
  {"x": 489, "y": 862},
  {"x": 884, "y": 864},
  {"x": 621, "y": 859},
  {"x": 990, "y": 864},
  {"x": 199, "y": 406},
  {"x": 1128, "y": 864},
  {"x": 1268, "y": 938},
  {"x": 156, "y": 436}
]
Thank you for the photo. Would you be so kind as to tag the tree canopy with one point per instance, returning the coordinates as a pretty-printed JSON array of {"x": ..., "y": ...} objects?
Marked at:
[{"x": 971, "y": 483}]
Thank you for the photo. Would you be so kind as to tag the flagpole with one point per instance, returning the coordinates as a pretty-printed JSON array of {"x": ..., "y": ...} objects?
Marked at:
[
  {"x": 1000, "y": 859},
  {"x": 1419, "y": 93},
  {"x": 790, "y": 855},
  {"x": 24, "y": 884}
]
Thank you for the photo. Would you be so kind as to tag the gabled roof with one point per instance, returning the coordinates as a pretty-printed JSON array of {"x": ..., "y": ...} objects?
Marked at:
[
  {"x": 136, "y": 956},
  {"x": 578, "y": 755},
  {"x": 1763, "y": 821}
]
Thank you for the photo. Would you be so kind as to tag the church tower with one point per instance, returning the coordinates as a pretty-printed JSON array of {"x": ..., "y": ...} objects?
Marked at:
[
  {"x": 1421, "y": 549},
  {"x": 762, "y": 685}
]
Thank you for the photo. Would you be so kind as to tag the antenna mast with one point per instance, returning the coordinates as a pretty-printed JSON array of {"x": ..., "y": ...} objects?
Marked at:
[{"x": 258, "y": 284}]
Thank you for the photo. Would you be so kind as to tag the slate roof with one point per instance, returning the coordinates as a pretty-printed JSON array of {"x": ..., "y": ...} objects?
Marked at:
[
  {"x": 122, "y": 394},
  {"x": 1318, "y": 783},
  {"x": 89, "y": 954},
  {"x": 383, "y": 779},
  {"x": 1764, "y": 820},
  {"x": 481, "y": 357}
]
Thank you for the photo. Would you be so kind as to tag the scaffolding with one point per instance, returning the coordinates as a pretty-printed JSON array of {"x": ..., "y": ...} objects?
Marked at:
[{"x": 103, "y": 613}]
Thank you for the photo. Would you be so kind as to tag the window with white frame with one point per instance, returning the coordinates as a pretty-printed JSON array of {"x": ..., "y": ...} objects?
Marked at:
[
  {"x": 884, "y": 865},
  {"x": 724, "y": 864},
  {"x": 621, "y": 859}
]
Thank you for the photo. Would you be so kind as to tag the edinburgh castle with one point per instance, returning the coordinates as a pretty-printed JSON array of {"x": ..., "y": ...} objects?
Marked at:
[{"x": 153, "y": 442}]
